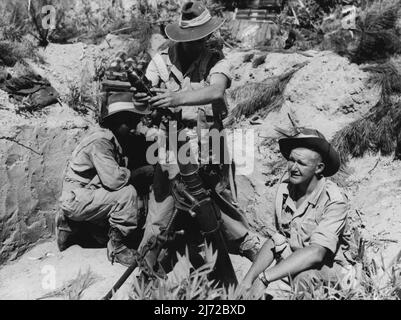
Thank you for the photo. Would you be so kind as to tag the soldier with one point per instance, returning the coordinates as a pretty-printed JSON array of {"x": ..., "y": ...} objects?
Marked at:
[
  {"x": 310, "y": 213},
  {"x": 191, "y": 79},
  {"x": 98, "y": 188}
]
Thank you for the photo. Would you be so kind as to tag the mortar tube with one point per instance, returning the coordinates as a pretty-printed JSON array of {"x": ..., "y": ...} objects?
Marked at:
[{"x": 208, "y": 217}]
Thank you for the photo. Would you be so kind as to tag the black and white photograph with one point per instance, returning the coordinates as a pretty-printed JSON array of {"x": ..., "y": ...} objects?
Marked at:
[{"x": 213, "y": 151}]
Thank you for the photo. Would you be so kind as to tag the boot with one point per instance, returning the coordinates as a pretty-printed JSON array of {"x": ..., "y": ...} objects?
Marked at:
[
  {"x": 65, "y": 232},
  {"x": 117, "y": 251}
]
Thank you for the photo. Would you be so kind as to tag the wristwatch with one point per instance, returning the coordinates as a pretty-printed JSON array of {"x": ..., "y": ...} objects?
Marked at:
[{"x": 264, "y": 279}]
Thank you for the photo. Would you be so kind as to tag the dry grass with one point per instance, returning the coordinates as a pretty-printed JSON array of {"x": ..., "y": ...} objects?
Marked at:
[
  {"x": 375, "y": 38},
  {"x": 379, "y": 130},
  {"x": 83, "y": 97},
  {"x": 379, "y": 38},
  {"x": 73, "y": 289},
  {"x": 261, "y": 98},
  {"x": 12, "y": 52},
  {"x": 14, "y": 20}
]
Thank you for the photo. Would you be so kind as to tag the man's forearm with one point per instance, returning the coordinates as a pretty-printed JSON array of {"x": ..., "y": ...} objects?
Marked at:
[
  {"x": 299, "y": 261},
  {"x": 263, "y": 261},
  {"x": 202, "y": 96}
]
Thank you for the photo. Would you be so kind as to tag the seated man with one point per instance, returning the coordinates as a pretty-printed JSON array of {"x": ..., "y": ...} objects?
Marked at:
[
  {"x": 98, "y": 186},
  {"x": 310, "y": 213}
]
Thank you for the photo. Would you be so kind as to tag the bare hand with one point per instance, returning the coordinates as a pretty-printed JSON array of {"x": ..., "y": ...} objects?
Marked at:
[
  {"x": 253, "y": 291},
  {"x": 164, "y": 98},
  {"x": 245, "y": 286},
  {"x": 140, "y": 99}
]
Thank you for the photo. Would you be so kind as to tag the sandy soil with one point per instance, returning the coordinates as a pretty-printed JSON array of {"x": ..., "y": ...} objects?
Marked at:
[{"x": 28, "y": 278}]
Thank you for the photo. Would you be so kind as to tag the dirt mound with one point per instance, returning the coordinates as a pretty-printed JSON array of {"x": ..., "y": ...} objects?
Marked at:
[
  {"x": 35, "y": 147},
  {"x": 34, "y": 152},
  {"x": 32, "y": 276},
  {"x": 328, "y": 93},
  {"x": 77, "y": 63}
]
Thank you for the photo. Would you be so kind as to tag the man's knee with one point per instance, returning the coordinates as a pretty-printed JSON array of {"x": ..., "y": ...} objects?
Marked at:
[{"x": 126, "y": 195}]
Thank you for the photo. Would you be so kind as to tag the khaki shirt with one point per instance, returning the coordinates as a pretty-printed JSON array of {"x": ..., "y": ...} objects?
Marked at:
[
  {"x": 165, "y": 68},
  {"x": 320, "y": 219},
  {"x": 98, "y": 162}
]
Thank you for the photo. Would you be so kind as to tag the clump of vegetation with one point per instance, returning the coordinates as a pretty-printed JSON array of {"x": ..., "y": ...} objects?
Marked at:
[
  {"x": 73, "y": 289},
  {"x": 186, "y": 283},
  {"x": 12, "y": 52},
  {"x": 379, "y": 37},
  {"x": 13, "y": 22},
  {"x": 14, "y": 46},
  {"x": 368, "y": 279},
  {"x": 84, "y": 97},
  {"x": 261, "y": 98},
  {"x": 379, "y": 130}
]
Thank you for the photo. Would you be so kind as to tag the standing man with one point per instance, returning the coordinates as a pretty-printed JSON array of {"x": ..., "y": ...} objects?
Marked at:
[
  {"x": 310, "y": 213},
  {"x": 98, "y": 188},
  {"x": 191, "y": 80}
]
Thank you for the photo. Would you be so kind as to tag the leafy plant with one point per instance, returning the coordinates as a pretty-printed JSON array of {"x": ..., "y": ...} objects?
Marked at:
[{"x": 186, "y": 283}]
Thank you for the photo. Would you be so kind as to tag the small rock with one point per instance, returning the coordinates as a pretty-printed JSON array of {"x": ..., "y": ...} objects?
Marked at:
[
  {"x": 248, "y": 57},
  {"x": 259, "y": 60}
]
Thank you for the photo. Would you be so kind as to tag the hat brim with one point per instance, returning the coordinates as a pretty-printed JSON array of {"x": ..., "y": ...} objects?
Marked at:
[
  {"x": 330, "y": 156},
  {"x": 118, "y": 107},
  {"x": 175, "y": 33}
]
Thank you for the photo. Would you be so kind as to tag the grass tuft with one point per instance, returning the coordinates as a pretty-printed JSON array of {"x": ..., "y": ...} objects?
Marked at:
[
  {"x": 261, "y": 98},
  {"x": 73, "y": 289},
  {"x": 379, "y": 130}
]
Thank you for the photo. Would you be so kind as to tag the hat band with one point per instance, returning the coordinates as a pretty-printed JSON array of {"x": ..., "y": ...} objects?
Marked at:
[
  {"x": 121, "y": 106},
  {"x": 203, "y": 18}
]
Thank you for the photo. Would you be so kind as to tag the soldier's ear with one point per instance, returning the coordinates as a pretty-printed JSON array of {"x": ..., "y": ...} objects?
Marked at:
[{"x": 320, "y": 168}]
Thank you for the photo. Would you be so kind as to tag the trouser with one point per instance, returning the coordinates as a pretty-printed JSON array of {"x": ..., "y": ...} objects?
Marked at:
[{"x": 99, "y": 205}]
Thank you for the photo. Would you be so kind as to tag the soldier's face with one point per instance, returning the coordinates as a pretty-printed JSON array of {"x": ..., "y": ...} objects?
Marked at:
[
  {"x": 126, "y": 124},
  {"x": 303, "y": 165},
  {"x": 194, "y": 46}
]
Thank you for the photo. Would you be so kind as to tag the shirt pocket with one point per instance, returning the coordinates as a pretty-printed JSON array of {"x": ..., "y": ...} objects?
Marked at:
[{"x": 307, "y": 227}]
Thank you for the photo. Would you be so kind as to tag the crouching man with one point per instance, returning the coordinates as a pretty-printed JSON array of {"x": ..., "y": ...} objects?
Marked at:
[
  {"x": 98, "y": 188},
  {"x": 310, "y": 214}
]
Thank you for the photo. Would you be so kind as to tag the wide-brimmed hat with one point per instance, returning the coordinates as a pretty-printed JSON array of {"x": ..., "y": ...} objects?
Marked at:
[
  {"x": 123, "y": 102},
  {"x": 195, "y": 23},
  {"x": 314, "y": 140}
]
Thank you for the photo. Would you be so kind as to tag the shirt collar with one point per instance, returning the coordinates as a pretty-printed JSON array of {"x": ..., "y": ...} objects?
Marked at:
[{"x": 313, "y": 198}]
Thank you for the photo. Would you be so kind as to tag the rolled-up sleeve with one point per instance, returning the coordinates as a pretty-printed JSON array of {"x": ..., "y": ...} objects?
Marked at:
[
  {"x": 222, "y": 67},
  {"x": 331, "y": 226},
  {"x": 152, "y": 73},
  {"x": 111, "y": 175}
]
